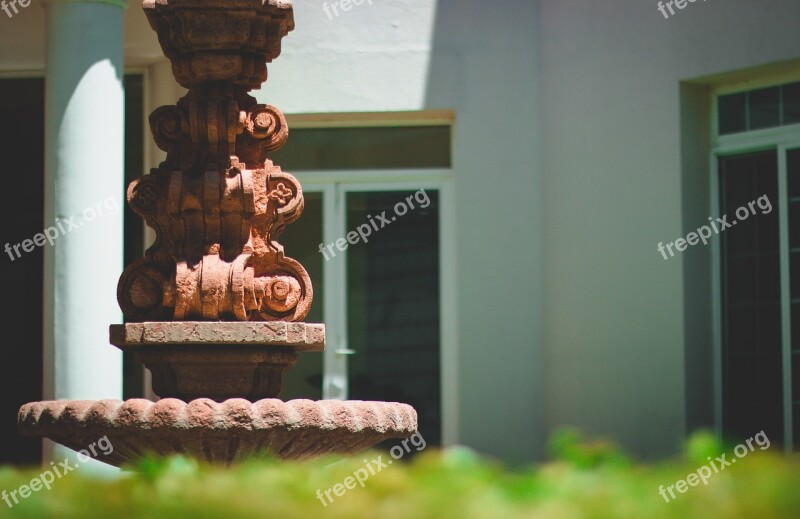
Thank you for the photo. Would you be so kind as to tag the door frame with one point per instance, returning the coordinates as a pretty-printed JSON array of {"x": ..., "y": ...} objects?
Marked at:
[
  {"x": 781, "y": 140},
  {"x": 334, "y": 186}
]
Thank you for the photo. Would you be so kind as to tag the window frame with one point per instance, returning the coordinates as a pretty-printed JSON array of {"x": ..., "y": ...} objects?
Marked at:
[
  {"x": 762, "y": 137},
  {"x": 781, "y": 139}
]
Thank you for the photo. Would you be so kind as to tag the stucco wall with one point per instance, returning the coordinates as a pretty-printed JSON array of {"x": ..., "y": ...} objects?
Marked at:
[
  {"x": 618, "y": 180},
  {"x": 610, "y": 338}
]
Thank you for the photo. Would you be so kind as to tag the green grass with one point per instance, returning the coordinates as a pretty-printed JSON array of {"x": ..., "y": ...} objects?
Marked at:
[{"x": 586, "y": 480}]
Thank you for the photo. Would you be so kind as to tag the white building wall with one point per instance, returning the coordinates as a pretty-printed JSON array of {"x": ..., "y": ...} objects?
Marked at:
[
  {"x": 622, "y": 329},
  {"x": 567, "y": 314},
  {"x": 373, "y": 57},
  {"x": 619, "y": 340}
]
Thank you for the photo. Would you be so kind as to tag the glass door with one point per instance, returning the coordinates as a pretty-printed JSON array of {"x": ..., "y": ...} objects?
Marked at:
[
  {"x": 759, "y": 261},
  {"x": 751, "y": 297},
  {"x": 392, "y": 301},
  {"x": 373, "y": 254}
]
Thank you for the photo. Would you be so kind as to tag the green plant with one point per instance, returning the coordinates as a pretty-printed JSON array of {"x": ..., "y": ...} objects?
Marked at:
[{"x": 586, "y": 480}]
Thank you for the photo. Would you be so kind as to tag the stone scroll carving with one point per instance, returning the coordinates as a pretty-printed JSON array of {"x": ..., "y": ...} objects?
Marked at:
[{"x": 217, "y": 204}]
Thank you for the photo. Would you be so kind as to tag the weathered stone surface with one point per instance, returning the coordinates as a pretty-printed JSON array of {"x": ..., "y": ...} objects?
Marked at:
[
  {"x": 219, "y": 373},
  {"x": 220, "y": 360},
  {"x": 219, "y": 432},
  {"x": 232, "y": 42},
  {"x": 299, "y": 336},
  {"x": 217, "y": 204}
]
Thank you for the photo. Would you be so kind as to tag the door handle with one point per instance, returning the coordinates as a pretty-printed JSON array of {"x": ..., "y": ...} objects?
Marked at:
[{"x": 345, "y": 351}]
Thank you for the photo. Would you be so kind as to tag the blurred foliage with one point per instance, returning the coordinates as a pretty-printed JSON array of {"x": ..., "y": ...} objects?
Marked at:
[{"x": 586, "y": 479}]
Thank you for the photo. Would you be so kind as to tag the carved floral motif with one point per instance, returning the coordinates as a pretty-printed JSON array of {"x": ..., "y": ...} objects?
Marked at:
[{"x": 217, "y": 204}]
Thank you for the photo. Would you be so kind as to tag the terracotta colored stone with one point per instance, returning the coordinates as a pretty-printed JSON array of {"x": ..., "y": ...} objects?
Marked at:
[
  {"x": 215, "y": 308},
  {"x": 299, "y": 336},
  {"x": 219, "y": 433},
  {"x": 217, "y": 204},
  {"x": 192, "y": 360}
]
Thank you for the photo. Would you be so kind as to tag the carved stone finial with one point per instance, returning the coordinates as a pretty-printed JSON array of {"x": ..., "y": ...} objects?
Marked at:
[{"x": 218, "y": 205}]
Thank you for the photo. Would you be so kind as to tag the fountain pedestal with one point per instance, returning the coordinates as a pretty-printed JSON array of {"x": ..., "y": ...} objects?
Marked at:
[
  {"x": 218, "y": 360},
  {"x": 215, "y": 308}
]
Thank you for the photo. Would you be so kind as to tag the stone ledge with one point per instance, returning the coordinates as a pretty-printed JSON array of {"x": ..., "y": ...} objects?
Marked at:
[{"x": 302, "y": 337}]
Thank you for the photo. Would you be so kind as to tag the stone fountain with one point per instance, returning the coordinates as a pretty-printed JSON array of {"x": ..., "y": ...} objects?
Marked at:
[{"x": 215, "y": 309}]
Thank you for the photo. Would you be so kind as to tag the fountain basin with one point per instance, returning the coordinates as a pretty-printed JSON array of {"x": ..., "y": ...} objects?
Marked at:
[{"x": 219, "y": 433}]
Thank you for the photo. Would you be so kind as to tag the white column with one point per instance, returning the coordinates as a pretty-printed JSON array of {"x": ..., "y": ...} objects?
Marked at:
[{"x": 84, "y": 188}]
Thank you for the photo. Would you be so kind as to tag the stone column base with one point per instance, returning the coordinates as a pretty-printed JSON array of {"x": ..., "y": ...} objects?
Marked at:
[{"x": 218, "y": 360}]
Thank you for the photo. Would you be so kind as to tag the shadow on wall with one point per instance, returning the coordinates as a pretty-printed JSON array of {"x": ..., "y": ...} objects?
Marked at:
[{"x": 483, "y": 67}]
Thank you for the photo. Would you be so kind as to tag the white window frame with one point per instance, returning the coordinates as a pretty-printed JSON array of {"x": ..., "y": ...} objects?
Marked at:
[{"x": 781, "y": 139}]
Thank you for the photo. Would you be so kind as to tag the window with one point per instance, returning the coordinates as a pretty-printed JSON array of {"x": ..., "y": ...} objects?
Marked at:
[
  {"x": 751, "y": 286},
  {"x": 758, "y": 109},
  {"x": 338, "y": 149},
  {"x": 758, "y": 262}
]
